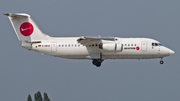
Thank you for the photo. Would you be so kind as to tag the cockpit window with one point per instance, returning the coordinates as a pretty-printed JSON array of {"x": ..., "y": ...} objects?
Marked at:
[
  {"x": 159, "y": 44},
  {"x": 156, "y": 44},
  {"x": 152, "y": 44}
]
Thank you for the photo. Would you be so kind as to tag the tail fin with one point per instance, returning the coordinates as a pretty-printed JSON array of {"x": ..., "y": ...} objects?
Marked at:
[{"x": 25, "y": 28}]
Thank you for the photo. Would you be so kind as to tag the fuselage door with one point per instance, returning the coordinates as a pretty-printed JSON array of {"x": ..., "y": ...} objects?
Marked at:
[
  {"x": 144, "y": 46},
  {"x": 53, "y": 47}
]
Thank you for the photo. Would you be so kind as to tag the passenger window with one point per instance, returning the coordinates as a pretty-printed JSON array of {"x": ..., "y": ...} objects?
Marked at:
[
  {"x": 89, "y": 45},
  {"x": 75, "y": 45},
  {"x": 93, "y": 45},
  {"x": 96, "y": 45},
  {"x": 134, "y": 44},
  {"x": 62, "y": 45},
  {"x": 125, "y": 44},
  {"x": 72, "y": 45},
  {"x": 59, "y": 45},
  {"x": 65, "y": 45},
  {"x": 131, "y": 44},
  {"x": 69, "y": 45},
  {"x": 128, "y": 44},
  {"x": 78, "y": 45}
]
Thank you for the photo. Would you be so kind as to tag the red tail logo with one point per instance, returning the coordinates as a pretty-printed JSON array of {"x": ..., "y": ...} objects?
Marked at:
[{"x": 26, "y": 29}]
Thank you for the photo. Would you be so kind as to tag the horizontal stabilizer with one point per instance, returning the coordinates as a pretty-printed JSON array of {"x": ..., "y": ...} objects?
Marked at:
[{"x": 17, "y": 15}]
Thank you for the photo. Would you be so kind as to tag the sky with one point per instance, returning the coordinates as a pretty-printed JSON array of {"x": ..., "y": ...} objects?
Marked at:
[{"x": 24, "y": 72}]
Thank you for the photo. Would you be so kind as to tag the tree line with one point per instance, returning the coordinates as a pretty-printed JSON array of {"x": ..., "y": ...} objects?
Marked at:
[{"x": 38, "y": 97}]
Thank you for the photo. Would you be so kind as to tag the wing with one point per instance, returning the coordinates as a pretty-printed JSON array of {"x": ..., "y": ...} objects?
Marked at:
[{"x": 93, "y": 40}]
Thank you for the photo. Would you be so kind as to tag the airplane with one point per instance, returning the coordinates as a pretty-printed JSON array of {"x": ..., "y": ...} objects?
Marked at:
[{"x": 96, "y": 49}]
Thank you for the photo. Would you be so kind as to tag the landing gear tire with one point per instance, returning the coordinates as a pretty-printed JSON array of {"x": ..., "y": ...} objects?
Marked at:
[
  {"x": 161, "y": 62},
  {"x": 96, "y": 62}
]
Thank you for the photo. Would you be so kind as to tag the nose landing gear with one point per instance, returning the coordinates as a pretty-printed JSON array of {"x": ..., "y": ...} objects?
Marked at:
[{"x": 161, "y": 62}]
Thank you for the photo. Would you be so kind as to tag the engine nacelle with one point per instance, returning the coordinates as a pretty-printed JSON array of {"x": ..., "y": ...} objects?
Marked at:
[{"x": 113, "y": 47}]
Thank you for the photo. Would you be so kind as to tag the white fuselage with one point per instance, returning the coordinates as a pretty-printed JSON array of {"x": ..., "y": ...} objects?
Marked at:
[{"x": 132, "y": 48}]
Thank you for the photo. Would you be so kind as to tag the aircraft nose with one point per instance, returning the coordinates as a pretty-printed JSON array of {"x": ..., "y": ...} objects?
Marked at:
[{"x": 171, "y": 52}]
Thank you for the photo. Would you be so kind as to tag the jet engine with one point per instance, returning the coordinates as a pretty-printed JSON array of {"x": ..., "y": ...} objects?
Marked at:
[{"x": 113, "y": 47}]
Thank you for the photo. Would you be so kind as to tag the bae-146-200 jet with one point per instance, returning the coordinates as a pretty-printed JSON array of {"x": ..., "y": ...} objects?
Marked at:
[{"x": 96, "y": 49}]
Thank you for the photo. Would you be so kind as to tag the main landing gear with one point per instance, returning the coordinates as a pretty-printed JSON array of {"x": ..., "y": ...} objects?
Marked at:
[
  {"x": 161, "y": 62},
  {"x": 97, "y": 62}
]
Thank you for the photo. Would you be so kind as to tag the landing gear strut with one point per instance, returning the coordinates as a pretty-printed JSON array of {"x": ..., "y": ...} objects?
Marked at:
[
  {"x": 161, "y": 62},
  {"x": 97, "y": 62}
]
